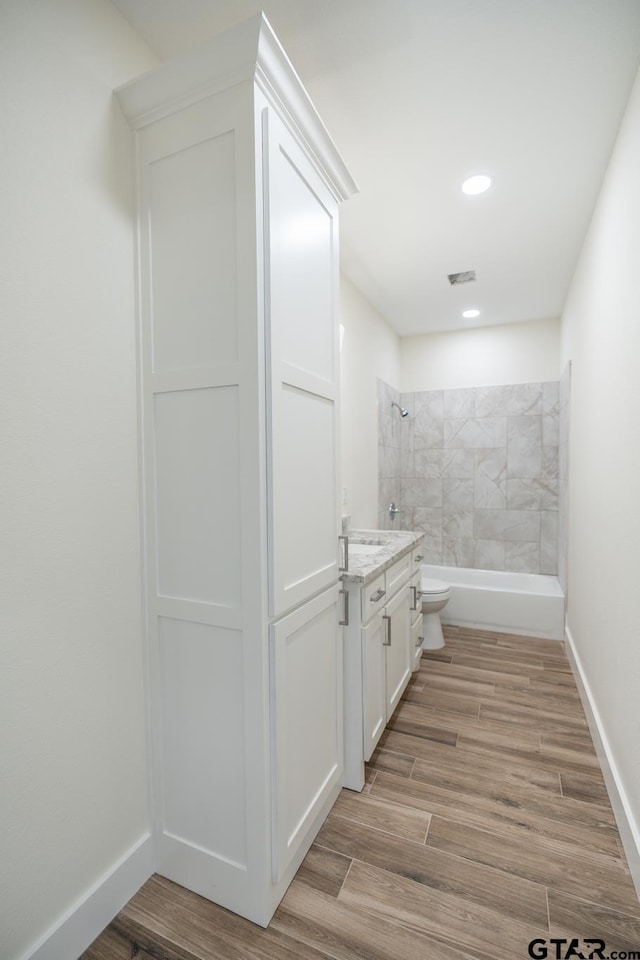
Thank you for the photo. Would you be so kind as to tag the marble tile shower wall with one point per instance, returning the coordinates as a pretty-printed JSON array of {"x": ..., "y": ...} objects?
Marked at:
[
  {"x": 389, "y": 434},
  {"x": 479, "y": 473},
  {"x": 563, "y": 474}
]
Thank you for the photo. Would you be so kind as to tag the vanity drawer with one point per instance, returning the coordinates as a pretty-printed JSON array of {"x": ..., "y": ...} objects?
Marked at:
[
  {"x": 398, "y": 574},
  {"x": 374, "y": 596}
]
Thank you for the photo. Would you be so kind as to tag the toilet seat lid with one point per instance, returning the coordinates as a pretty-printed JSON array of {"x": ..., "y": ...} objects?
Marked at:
[{"x": 434, "y": 586}]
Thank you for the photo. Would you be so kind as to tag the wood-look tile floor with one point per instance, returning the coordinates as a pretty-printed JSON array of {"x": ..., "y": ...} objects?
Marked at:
[{"x": 484, "y": 823}]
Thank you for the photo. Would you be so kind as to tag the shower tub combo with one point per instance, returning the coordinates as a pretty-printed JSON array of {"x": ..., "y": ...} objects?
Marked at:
[{"x": 525, "y": 603}]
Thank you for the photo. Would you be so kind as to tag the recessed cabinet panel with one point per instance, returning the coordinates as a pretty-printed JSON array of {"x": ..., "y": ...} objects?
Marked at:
[
  {"x": 398, "y": 664},
  {"x": 202, "y": 715},
  {"x": 302, "y": 257},
  {"x": 300, "y": 231},
  {"x": 304, "y": 501},
  {"x": 306, "y": 695},
  {"x": 197, "y": 486},
  {"x": 373, "y": 682},
  {"x": 192, "y": 237}
]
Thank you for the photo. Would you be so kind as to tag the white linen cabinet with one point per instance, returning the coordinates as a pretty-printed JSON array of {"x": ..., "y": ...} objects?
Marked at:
[{"x": 238, "y": 188}]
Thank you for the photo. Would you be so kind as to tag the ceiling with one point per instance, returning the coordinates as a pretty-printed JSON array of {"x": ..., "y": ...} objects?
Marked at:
[{"x": 418, "y": 94}]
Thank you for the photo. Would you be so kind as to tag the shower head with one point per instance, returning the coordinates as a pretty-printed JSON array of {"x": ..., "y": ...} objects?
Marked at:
[{"x": 403, "y": 411}]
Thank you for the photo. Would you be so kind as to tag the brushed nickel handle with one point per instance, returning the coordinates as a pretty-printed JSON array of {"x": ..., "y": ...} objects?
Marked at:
[
  {"x": 418, "y": 558},
  {"x": 415, "y": 597},
  {"x": 378, "y": 595},
  {"x": 345, "y": 540},
  {"x": 345, "y": 621},
  {"x": 387, "y": 642},
  {"x": 420, "y": 639}
]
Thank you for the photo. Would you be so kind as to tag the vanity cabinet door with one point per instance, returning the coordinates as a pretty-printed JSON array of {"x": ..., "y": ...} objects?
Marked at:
[
  {"x": 374, "y": 703},
  {"x": 398, "y": 667}
]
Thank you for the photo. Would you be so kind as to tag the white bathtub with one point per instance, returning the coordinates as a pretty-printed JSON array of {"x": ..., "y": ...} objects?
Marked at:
[{"x": 526, "y": 603}]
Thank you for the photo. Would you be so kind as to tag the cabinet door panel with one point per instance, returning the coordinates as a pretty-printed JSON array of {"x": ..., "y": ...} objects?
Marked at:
[
  {"x": 397, "y": 653},
  {"x": 374, "y": 701},
  {"x": 307, "y": 730},
  {"x": 300, "y": 306}
]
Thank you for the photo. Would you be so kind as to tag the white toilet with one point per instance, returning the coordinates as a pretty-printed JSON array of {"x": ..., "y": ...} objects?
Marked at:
[{"x": 435, "y": 594}]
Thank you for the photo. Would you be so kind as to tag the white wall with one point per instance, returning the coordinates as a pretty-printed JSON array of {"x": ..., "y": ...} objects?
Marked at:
[
  {"x": 370, "y": 350},
  {"x": 601, "y": 338},
  {"x": 481, "y": 357},
  {"x": 73, "y": 798}
]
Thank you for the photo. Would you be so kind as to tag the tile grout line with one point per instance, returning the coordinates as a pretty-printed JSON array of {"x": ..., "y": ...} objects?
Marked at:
[
  {"x": 344, "y": 879},
  {"x": 546, "y": 893},
  {"x": 426, "y": 833}
]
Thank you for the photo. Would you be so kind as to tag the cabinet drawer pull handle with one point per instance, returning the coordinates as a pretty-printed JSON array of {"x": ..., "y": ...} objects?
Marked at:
[
  {"x": 345, "y": 621},
  {"x": 418, "y": 558},
  {"x": 378, "y": 595},
  {"x": 345, "y": 569},
  {"x": 415, "y": 597},
  {"x": 387, "y": 642},
  {"x": 419, "y": 641}
]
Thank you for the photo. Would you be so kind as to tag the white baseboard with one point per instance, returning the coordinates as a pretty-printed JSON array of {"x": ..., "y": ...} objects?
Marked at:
[
  {"x": 80, "y": 926},
  {"x": 627, "y": 825}
]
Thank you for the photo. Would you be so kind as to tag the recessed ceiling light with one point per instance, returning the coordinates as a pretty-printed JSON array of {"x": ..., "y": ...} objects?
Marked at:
[
  {"x": 470, "y": 314},
  {"x": 476, "y": 184}
]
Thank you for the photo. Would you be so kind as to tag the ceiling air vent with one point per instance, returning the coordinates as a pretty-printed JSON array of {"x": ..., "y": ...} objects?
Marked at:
[{"x": 465, "y": 277}]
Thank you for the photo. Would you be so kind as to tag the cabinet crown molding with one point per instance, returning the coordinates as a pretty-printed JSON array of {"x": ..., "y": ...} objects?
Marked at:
[{"x": 248, "y": 52}]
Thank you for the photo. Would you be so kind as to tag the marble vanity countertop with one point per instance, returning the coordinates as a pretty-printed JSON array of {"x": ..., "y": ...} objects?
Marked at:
[{"x": 392, "y": 544}]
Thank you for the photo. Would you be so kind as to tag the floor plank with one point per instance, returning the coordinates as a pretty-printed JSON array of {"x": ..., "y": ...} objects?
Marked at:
[
  {"x": 369, "y": 810},
  {"x": 324, "y": 870},
  {"x": 572, "y": 917},
  {"x": 464, "y": 704},
  {"x": 444, "y": 918},
  {"x": 484, "y": 823},
  {"x": 561, "y": 866},
  {"x": 591, "y": 788},
  {"x": 480, "y": 779}
]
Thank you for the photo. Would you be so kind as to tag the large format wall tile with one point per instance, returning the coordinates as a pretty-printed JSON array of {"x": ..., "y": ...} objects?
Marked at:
[
  {"x": 507, "y": 525},
  {"x": 430, "y": 462},
  {"x": 490, "y": 554},
  {"x": 490, "y": 486},
  {"x": 524, "y": 447},
  {"x": 551, "y": 414},
  {"x": 475, "y": 432},
  {"x": 458, "y": 551},
  {"x": 421, "y": 493},
  {"x": 459, "y": 404},
  {"x": 428, "y": 417},
  {"x": 510, "y": 401},
  {"x": 536, "y": 494},
  {"x": 549, "y": 533},
  {"x": 522, "y": 557}
]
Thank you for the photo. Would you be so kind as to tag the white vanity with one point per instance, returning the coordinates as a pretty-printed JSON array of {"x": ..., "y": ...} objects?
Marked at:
[{"x": 382, "y": 636}]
